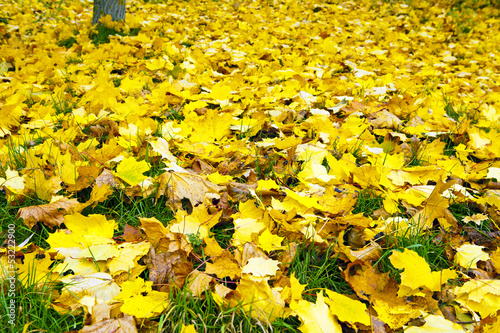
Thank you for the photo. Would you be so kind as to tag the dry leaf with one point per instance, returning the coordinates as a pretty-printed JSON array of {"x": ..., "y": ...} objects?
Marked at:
[
  {"x": 51, "y": 214},
  {"x": 168, "y": 269},
  {"x": 178, "y": 185},
  {"x": 119, "y": 325}
]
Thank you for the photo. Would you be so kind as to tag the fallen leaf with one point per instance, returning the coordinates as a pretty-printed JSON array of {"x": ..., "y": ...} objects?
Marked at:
[
  {"x": 482, "y": 296},
  {"x": 436, "y": 324},
  {"x": 347, "y": 309},
  {"x": 119, "y": 325},
  {"x": 259, "y": 300},
  {"x": 260, "y": 267},
  {"x": 168, "y": 269},
  {"x": 316, "y": 317},
  {"x": 468, "y": 255},
  {"x": 177, "y": 186},
  {"x": 199, "y": 282},
  {"x": 51, "y": 214},
  {"x": 131, "y": 171},
  {"x": 417, "y": 273}
]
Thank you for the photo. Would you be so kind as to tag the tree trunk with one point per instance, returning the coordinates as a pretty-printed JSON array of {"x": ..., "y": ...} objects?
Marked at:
[{"x": 115, "y": 8}]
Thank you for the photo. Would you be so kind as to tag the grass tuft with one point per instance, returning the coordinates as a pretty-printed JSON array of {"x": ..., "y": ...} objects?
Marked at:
[
  {"x": 430, "y": 244},
  {"x": 208, "y": 316},
  {"x": 67, "y": 43},
  {"x": 34, "y": 309},
  {"x": 318, "y": 269},
  {"x": 368, "y": 202}
]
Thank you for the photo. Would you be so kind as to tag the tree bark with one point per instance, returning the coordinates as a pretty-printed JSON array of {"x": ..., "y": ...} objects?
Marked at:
[{"x": 115, "y": 8}]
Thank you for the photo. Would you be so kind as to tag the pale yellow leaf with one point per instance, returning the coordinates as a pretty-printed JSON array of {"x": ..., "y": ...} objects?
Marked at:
[
  {"x": 261, "y": 267},
  {"x": 468, "y": 255}
]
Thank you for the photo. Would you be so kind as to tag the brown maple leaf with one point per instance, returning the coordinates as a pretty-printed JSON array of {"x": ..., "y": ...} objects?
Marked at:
[{"x": 51, "y": 214}]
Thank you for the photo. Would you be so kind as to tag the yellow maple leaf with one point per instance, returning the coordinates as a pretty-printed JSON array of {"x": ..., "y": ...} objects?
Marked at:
[
  {"x": 289, "y": 141},
  {"x": 495, "y": 259},
  {"x": 469, "y": 254},
  {"x": 216, "y": 126},
  {"x": 199, "y": 282},
  {"x": 347, "y": 309},
  {"x": 258, "y": 299},
  {"x": 476, "y": 218},
  {"x": 13, "y": 181},
  {"x": 436, "y": 207},
  {"x": 249, "y": 209},
  {"x": 68, "y": 171},
  {"x": 478, "y": 139},
  {"x": 161, "y": 63},
  {"x": 131, "y": 171},
  {"x": 316, "y": 317},
  {"x": 191, "y": 106},
  {"x": 224, "y": 265},
  {"x": 99, "y": 194},
  {"x": 64, "y": 239},
  {"x": 417, "y": 272},
  {"x": 491, "y": 114},
  {"x": 213, "y": 248},
  {"x": 132, "y": 85},
  {"x": 416, "y": 175},
  {"x": 261, "y": 267},
  {"x": 184, "y": 185},
  {"x": 94, "y": 224},
  {"x": 480, "y": 295},
  {"x": 154, "y": 230},
  {"x": 221, "y": 92},
  {"x": 269, "y": 242},
  {"x": 198, "y": 223},
  {"x": 134, "y": 287},
  {"x": 35, "y": 269},
  {"x": 307, "y": 201},
  {"x": 140, "y": 300},
  {"x": 126, "y": 260},
  {"x": 100, "y": 286},
  {"x": 44, "y": 188},
  {"x": 316, "y": 173},
  {"x": 293, "y": 293},
  {"x": 99, "y": 252},
  {"x": 436, "y": 324},
  {"x": 246, "y": 229},
  {"x": 10, "y": 112},
  {"x": 77, "y": 265},
  {"x": 188, "y": 329},
  {"x": 161, "y": 146},
  {"x": 217, "y": 178},
  {"x": 268, "y": 184}
]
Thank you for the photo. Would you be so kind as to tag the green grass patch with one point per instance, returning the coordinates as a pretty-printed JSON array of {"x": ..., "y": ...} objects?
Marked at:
[
  {"x": 8, "y": 215},
  {"x": 429, "y": 244},
  {"x": 223, "y": 232},
  {"x": 318, "y": 269},
  {"x": 368, "y": 202},
  {"x": 33, "y": 309},
  {"x": 208, "y": 316},
  {"x": 127, "y": 210},
  {"x": 67, "y": 42}
]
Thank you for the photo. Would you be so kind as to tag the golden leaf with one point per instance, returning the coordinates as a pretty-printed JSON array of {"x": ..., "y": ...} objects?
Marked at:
[{"x": 177, "y": 186}]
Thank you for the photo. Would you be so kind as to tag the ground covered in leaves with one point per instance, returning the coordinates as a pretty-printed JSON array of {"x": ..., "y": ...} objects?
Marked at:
[{"x": 250, "y": 166}]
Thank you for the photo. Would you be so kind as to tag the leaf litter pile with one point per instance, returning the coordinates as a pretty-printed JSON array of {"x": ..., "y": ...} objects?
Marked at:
[{"x": 257, "y": 134}]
